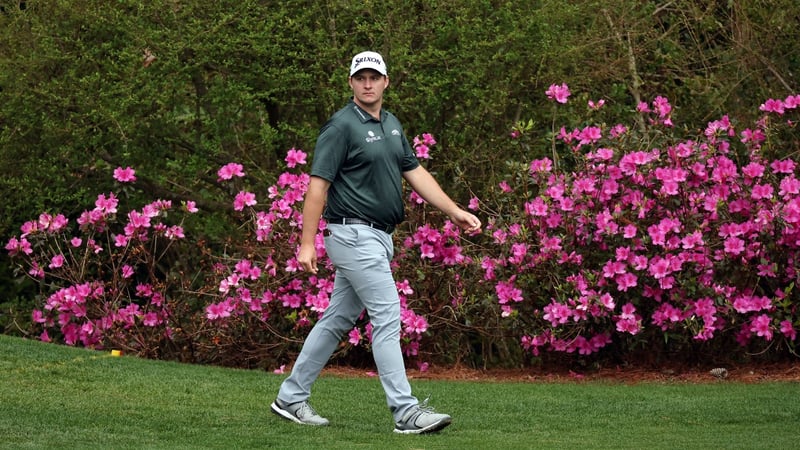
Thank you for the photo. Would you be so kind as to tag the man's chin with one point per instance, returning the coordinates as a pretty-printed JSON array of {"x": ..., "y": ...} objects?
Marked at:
[{"x": 369, "y": 99}]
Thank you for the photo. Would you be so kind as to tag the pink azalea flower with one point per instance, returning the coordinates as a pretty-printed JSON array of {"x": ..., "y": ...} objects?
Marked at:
[
  {"x": 630, "y": 326},
  {"x": 144, "y": 290},
  {"x": 786, "y": 166},
  {"x": 658, "y": 267},
  {"x": 537, "y": 207},
  {"x": 629, "y": 231},
  {"x": 792, "y": 102},
  {"x": 15, "y": 246},
  {"x": 551, "y": 244},
  {"x": 244, "y": 199},
  {"x": 422, "y": 151},
  {"x": 762, "y": 191},
  {"x": 247, "y": 269},
  {"x": 507, "y": 292},
  {"x": 557, "y": 313},
  {"x": 415, "y": 198},
  {"x": 229, "y": 171},
  {"x": 220, "y": 310},
  {"x": 607, "y": 301},
  {"x": 590, "y": 135},
  {"x": 558, "y": 93},
  {"x": 626, "y": 281},
  {"x": 662, "y": 106},
  {"x": 429, "y": 140},
  {"x": 772, "y": 105},
  {"x": 761, "y": 326},
  {"x": 544, "y": 165},
  {"x": 120, "y": 240},
  {"x": 404, "y": 287},
  {"x": 415, "y": 324},
  {"x": 151, "y": 319},
  {"x": 127, "y": 271},
  {"x": 137, "y": 220},
  {"x": 618, "y": 130},
  {"x": 293, "y": 266},
  {"x": 38, "y": 316},
  {"x": 107, "y": 205},
  {"x": 422, "y": 145},
  {"x": 734, "y": 245},
  {"x": 29, "y": 228},
  {"x": 604, "y": 154},
  {"x": 596, "y": 105},
  {"x": 355, "y": 336},
  {"x": 753, "y": 170},
  {"x": 126, "y": 175},
  {"x": 756, "y": 137},
  {"x": 191, "y": 206},
  {"x": 568, "y": 137},
  {"x": 789, "y": 186},
  {"x": 174, "y": 232},
  {"x": 295, "y": 157},
  {"x": 57, "y": 261},
  {"x": 788, "y": 330},
  {"x": 52, "y": 223}
]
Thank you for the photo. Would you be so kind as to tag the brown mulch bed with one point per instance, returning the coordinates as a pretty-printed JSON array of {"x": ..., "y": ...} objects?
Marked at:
[{"x": 750, "y": 373}]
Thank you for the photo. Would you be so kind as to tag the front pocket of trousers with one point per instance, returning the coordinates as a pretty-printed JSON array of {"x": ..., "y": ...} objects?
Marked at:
[{"x": 343, "y": 235}]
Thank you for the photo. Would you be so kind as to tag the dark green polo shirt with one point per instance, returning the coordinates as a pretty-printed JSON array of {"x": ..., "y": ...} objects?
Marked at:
[{"x": 364, "y": 160}]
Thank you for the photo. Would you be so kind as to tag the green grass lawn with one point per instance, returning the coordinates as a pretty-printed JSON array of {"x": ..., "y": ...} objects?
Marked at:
[{"x": 60, "y": 397}]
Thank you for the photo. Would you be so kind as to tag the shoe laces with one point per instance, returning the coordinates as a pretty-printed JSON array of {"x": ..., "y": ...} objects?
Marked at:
[
  {"x": 305, "y": 410},
  {"x": 424, "y": 407}
]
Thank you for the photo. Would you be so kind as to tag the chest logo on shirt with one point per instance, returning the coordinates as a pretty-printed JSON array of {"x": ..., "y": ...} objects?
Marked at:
[
  {"x": 395, "y": 132},
  {"x": 372, "y": 138}
]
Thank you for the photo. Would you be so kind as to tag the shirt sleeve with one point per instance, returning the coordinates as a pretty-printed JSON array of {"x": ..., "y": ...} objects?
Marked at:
[
  {"x": 330, "y": 152},
  {"x": 410, "y": 161}
]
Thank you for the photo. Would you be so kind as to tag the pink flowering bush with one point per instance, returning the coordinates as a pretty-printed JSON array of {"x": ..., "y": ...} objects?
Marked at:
[
  {"x": 627, "y": 238},
  {"x": 651, "y": 238},
  {"x": 110, "y": 281},
  {"x": 268, "y": 291}
]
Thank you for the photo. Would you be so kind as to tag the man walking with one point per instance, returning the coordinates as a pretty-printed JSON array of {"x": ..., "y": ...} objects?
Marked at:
[{"x": 360, "y": 159}]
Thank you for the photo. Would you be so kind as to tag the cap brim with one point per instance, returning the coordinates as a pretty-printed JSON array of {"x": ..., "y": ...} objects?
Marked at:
[{"x": 378, "y": 69}]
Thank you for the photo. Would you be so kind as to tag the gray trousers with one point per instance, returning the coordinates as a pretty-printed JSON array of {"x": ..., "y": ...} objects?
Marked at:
[{"x": 363, "y": 280}]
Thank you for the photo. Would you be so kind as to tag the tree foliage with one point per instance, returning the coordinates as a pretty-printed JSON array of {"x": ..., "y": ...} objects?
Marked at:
[{"x": 178, "y": 88}]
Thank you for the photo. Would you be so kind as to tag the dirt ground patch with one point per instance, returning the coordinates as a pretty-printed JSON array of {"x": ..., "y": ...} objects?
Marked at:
[{"x": 750, "y": 373}]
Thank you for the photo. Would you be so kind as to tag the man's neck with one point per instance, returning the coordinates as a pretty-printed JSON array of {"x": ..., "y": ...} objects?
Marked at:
[{"x": 373, "y": 110}]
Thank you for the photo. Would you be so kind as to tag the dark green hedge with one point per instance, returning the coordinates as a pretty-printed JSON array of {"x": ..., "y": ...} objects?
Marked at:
[{"x": 177, "y": 88}]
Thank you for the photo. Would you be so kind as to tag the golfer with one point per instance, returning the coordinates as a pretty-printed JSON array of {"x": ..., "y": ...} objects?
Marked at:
[{"x": 360, "y": 159}]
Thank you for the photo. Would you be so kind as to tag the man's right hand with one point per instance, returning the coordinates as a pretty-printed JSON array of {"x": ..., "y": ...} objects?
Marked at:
[{"x": 307, "y": 257}]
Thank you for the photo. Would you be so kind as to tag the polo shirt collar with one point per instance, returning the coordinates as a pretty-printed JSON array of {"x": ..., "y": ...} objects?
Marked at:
[{"x": 363, "y": 115}]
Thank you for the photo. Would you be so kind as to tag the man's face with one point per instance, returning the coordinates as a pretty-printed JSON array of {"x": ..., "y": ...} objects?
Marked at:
[{"x": 368, "y": 86}]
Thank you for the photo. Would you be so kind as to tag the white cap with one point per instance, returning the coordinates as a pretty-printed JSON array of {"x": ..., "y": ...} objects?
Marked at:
[{"x": 367, "y": 60}]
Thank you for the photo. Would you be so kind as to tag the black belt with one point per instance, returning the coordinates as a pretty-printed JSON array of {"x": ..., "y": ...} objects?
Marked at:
[{"x": 389, "y": 229}]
